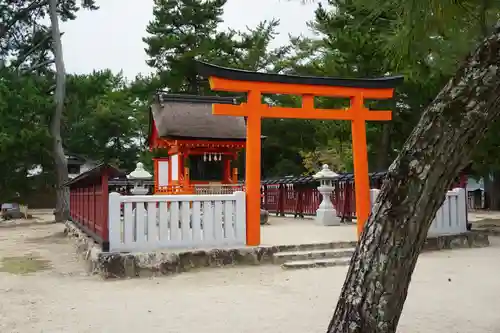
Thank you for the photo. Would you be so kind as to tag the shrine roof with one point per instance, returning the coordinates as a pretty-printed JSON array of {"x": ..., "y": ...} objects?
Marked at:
[
  {"x": 207, "y": 70},
  {"x": 190, "y": 116},
  {"x": 90, "y": 176}
]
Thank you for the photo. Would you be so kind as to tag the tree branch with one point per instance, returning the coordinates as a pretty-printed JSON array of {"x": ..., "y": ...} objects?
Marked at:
[{"x": 23, "y": 13}]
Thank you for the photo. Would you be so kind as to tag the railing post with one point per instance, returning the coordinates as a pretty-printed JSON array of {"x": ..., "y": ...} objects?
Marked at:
[
  {"x": 114, "y": 220},
  {"x": 104, "y": 217},
  {"x": 265, "y": 198},
  {"x": 71, "y": 203},
  {"x": 281, "y": 201},
  {"x": 79, "y": 205},
  {"x": 462, "y": 209},
  {"x": 240, "y": 221},
  {"x": 374, "y": 192}
]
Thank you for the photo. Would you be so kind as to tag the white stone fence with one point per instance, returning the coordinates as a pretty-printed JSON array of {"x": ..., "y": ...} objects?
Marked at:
[
  {"x": 450, "y": 219},
  {"x": 151, "y": 222}
]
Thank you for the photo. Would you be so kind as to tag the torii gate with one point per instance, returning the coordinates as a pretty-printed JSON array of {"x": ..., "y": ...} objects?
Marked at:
[{"x": 255, "y": 84}]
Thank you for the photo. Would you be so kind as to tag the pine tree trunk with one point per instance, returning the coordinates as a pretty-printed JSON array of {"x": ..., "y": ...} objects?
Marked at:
[
  {"x": 384, "y": 148},
  {"x": 487, "y": 191},
  {"x": 62, "y": 194},
  {"x": 450, "y": 128},
  {"x": 494, "y": 192}
]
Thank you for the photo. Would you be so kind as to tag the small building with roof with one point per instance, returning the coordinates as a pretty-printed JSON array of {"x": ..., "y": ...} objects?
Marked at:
[{"x": 194, "y": 146}]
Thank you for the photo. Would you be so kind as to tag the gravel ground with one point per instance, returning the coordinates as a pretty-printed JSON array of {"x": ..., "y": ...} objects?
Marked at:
[{"x": 452, "y": 292}]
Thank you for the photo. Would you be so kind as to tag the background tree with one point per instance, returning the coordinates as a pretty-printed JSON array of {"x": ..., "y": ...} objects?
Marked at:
[
  {"x": 29, "y": 43},
  {"x": 24, "y": 137},
  {"x": 66, "y": 9},
  {"x": 180, "y": 32},
  {"x": 104, "y": 121}
]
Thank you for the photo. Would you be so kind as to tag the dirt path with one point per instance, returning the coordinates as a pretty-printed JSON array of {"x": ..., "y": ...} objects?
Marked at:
[
  {"x": 38, "y": 247},
  {"x": 453, "y": 292}
]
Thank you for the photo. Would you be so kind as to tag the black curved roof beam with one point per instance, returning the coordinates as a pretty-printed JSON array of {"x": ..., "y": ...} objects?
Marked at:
[
  {"x": 207, "y": 70},
  {"x": 163, "y": 96}
]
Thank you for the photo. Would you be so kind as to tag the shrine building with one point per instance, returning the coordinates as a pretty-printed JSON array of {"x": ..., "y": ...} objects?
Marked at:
[{"x": 194, "y": 148}]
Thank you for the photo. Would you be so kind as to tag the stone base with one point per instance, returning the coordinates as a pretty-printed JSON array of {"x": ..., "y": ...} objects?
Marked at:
[
  {"x": 327, "y": 217},
  {"x": 86, "y": 248},
  {"x": 264, "y": 217},
  {"x": 468, "y": 239},
  {"x": 128, "y": 265}
]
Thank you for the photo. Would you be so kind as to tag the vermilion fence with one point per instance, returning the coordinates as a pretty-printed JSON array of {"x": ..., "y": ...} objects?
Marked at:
[
  {"x": 89, "y": 193},
  {"x": 299, "y": 196},
  {"x": 285, "y": 199}
]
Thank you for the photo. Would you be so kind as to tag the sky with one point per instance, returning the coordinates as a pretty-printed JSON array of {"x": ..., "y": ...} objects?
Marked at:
[{"x": 112, "y": 36}]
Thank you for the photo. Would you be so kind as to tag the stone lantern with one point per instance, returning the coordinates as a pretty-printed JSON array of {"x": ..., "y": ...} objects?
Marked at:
[
  {"x": 326, "y": 213},
  {"x": 138, "y": 176}
]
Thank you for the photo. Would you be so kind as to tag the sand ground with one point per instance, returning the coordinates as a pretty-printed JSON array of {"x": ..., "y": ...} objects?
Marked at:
[{"x": 454, "y": 292}]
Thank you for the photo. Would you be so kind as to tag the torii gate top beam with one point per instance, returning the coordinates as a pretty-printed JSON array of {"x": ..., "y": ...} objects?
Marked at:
[{"x": 209, "y": 71}]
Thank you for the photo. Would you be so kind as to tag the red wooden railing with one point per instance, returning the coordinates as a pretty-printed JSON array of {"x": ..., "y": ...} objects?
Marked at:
[
  {"x": 284, "y": 199},
  {"x": 89, "y": 193}
]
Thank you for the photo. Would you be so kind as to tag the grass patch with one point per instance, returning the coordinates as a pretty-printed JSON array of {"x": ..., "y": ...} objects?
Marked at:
[{"x": 23, "y": 265}]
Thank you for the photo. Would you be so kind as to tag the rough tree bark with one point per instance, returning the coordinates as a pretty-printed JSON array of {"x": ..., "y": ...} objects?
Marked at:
[
  {"x": 494, "y": 191},
  {"x": 487, "y": 190},
  {"x": 376, "y": 285},
  {"x": 62, "y": 205},
  {"x": 384, "y": 148}
]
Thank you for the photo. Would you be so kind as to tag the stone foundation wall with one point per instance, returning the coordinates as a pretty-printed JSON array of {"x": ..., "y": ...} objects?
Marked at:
[
  {"x": 128, "y": 265},
  {"x": 86, "y": 248},
  {"x": 120, "y": 265}
]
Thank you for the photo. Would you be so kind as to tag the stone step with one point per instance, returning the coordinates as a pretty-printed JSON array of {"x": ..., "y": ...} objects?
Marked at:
[
  {"x": 317, "y": 246},
  {"x": 281, "y": 257},
  {"x": 314, "y": 263}
]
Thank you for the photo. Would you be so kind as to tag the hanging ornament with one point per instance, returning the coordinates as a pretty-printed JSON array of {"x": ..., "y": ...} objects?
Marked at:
[
  {"x": 220, "y": 157},
  {"x": 205, "y": 157},
  {"x": 209, "y": 157}
]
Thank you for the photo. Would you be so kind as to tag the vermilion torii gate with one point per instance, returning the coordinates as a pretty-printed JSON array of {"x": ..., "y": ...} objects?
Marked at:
[{"x": 255, "y": 84}]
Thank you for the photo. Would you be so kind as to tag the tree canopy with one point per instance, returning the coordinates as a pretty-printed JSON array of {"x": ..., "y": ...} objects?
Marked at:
[{"x": 106, "y": 115}]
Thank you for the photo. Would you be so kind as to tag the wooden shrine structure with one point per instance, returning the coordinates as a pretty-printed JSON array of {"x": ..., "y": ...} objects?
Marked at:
[
  {"x": 256, "y": 84},
  {"x": 195, "y": 147}
]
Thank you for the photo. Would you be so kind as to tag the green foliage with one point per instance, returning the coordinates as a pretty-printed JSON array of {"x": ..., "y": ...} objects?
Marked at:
[
  {"x": 338, "y": 156},
  {"x": 344, "y": 48},
  {"x": 431, "y": 32},
  {"x": 182, "y": 31},
  {"x": 103, "y": 121},
  {"x": 24, "y": 137},
  {"x": 358, "y": 39},
  {"x": 426, "y": 41},
  {"x": 25, "y": 38}
]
